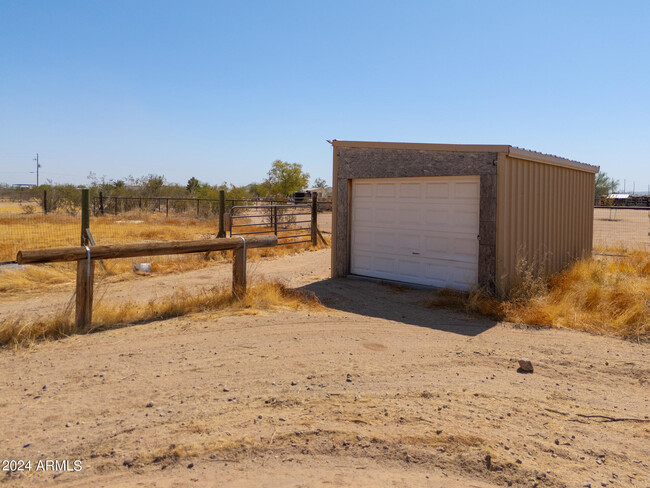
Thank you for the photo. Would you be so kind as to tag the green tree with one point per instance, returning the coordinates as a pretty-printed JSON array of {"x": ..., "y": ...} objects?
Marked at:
[
  {"x": 286, "y": 178},
  {"x": 259, "y": 189},
  {"x": 320, "y": 183},
  {"x": 605, "y": 184},
  {"x": 193, "y": 185}
]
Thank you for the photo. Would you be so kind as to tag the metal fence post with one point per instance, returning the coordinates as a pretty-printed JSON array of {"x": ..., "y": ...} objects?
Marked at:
[
  {"x": 44, "y": 202},
  {"x": 101, "y": 203},
  {"x": 222, "y": 210},
  {"x": 314, "y": 219},
  {"x": 275, "y": 220},
  {"x": 85, "y": 215}
]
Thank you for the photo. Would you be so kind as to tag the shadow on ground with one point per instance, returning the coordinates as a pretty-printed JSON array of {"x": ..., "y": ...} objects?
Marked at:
[{"x": 396, "y": 303}]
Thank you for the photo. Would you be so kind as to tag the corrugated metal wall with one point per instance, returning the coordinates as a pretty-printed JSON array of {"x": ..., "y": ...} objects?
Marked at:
[{"x": 544, "y": 217}]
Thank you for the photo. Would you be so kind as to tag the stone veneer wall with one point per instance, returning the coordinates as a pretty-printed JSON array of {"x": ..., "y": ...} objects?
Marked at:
[{"x": 398, "y": 163}]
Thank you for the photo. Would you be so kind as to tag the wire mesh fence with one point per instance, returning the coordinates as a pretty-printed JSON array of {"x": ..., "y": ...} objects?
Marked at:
[{"x": 622, "y": 227}]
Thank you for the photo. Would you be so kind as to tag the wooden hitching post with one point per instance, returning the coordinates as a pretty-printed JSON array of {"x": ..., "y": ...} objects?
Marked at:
[
  {"x": 84, "y": 299},
  {"x": 239, "y": 272}
]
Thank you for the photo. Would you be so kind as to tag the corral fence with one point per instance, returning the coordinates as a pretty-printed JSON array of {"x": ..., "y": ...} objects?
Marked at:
[
  {"x": 622, "y": 227},
  {"x": 138, "y": 220},
  {"x": 175, "y": 206},
  {"x": 291, "y": 224}
]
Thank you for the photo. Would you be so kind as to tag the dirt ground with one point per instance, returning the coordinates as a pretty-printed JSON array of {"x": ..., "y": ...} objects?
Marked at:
[
  {"x": 371, "y": 390},
  {"x": 622, "y": 227}
]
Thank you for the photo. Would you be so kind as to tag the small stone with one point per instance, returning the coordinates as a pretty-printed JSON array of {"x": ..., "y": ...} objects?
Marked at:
[
  {"x": 128, "y": 463},
  {"x": 359, "y": 437},
  {"x": 348, "y": 378},
  {"x": 259, "y": 417},
  {"x": 438, "y": 431},
  {"x": 525, "y": 365},
  {"x": 586, "y": 485},
  {"x": 293, "y": 383},
  {"x": 190, "y": 466},
  {"x": 45, "y": 387},
  {"x": 26, "y": 445},
  {"x": 281, "y": 419},
  {"x": 67, "y": 425},
  {"x": 213, "y": 456},
  {"x": 149, "y": 405},
  {"x": 226, "y": 390},
  {"x": 557, "y": 442}
]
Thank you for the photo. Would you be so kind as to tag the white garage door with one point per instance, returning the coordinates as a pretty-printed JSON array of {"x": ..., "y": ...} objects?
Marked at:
[{"x": 417, "y": 230}]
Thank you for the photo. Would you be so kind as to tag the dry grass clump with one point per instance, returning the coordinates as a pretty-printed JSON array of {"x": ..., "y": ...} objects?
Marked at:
[
  {"x": 605, "y": 296},
  {"x": 261, "y": 296}
]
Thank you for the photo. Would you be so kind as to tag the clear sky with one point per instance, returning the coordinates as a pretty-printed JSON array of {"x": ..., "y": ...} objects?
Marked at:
[{"x": 219, "y": 90}]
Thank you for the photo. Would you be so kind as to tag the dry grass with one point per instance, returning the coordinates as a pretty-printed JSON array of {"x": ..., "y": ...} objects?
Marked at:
[
  {"x": 261, "y": 296},
  {"x": 604, "y": 296}
]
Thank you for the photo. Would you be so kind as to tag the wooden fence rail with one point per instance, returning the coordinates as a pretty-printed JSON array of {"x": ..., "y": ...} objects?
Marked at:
[{"x": 86, "y": 257}]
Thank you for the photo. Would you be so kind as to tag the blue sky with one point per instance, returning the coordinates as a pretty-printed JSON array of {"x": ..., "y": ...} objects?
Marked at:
[{"x": 218, "y": 90}]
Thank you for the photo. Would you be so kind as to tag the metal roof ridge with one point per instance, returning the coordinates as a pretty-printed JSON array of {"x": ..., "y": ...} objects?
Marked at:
[{"x": 536, "y": 156}]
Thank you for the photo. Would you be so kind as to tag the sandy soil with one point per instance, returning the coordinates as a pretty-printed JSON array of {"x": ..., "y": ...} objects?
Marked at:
[
  {"x": 627, "y": 228},
  {"x": 297, "y": 270},
  {"x": 372, "y": 390}
]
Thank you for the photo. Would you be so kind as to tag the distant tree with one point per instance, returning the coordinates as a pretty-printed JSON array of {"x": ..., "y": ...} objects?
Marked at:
[
  {"x": 152, "y": 184},
  {"x": 193, "y": 185},
  {"x": 320, "y": 183},
  {"x": 286, "y": 178},
  {"x": 259, "y": 189},
  {"x": 605, "y": 184}
]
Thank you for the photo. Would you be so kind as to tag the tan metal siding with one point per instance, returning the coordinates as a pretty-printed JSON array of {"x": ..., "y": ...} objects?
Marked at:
[{"x": 544, "y": 217}]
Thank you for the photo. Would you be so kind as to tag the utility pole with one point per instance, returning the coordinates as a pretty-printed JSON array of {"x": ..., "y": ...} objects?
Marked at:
[{"x": 37, "y": 166}]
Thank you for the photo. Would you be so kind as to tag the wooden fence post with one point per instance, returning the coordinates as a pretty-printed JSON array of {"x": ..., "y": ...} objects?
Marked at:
[
  {"x": 314, "y": 219},
  {"x": 85, "y": 215},
  {"x": 239, "y": 272},
  {"x": 167, "y": 211},
  {"x": 84, "y": 299},
  {"x": 44, "y": 202},
  {"x": 101, "y": 203},
  {"x": 222, "y": 211}
]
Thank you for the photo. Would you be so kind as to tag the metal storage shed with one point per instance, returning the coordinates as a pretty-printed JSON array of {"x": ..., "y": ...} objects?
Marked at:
[{"x": 462, "y": 216}]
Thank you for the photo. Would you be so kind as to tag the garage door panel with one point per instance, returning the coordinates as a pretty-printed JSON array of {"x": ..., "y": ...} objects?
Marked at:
[
  {"x": 436, "y": 245},
  {"x": 436, "y": 217},
  {"x": 385, "y": 242},
  {"x": 363, "y": 262},
  {"x": 468, "y": 190},
  {"x": 363, "y": 190},
  {"x": 385, "y": 215},
  {"x": 362, "y": 240},
  {"x": 384, "y": 264},
  {"x": 437, "y": 191},
  {"x": 409, "y": 217},
  {"x": 410, "y": 190},
  {"x": 417, "y": 230},
  {"x": 386, "y": 190},
  {"x": 463, "y": 217},
  {"x": 408, "y": 243},
  {"x": 363, "y": 214},
  {"x": 465, "y": 247},
  {"x": 409, "y": 269}
]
